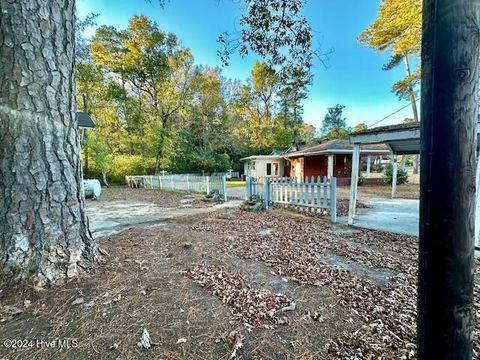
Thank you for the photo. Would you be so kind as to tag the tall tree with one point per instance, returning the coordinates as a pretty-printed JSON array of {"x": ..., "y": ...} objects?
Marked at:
[
  {"x": 334, "y": 125},
  {"x": 43, "y": 225},
  {"x": 397, "y": 30}
]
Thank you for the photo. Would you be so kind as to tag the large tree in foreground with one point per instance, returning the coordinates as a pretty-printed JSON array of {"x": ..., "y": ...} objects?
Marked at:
[{"x": 43, "y": 226}]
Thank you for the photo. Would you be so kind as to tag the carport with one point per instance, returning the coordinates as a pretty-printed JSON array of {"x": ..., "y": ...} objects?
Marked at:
[{"x": 402, "y": 139}]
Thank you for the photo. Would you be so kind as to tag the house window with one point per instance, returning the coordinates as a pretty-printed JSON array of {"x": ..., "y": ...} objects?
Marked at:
[
  {"x": 272, "y": 169},
  {"x": 275, "y": 169}
]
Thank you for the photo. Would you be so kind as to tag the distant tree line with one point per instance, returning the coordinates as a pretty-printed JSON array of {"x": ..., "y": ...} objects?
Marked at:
[{"x": 156, "y": 110}]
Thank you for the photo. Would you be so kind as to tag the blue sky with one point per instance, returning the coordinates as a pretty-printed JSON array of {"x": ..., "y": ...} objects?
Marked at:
[{"x": 353, "y": 77}]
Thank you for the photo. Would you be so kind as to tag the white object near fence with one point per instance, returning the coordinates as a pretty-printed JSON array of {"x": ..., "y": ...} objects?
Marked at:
[
  {"x": 313, "y": 194},
  {"x": 92, "y": 188},
  {"x": 188, "y": 183}
]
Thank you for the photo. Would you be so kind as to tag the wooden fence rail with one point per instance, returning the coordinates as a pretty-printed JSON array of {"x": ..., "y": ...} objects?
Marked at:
[
  {"x": 188, "y": 183},
  {"x": 314, "y": 193}
]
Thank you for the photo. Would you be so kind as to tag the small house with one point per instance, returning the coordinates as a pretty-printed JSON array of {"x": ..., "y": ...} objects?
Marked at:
[{"x": 259, "y": 166}]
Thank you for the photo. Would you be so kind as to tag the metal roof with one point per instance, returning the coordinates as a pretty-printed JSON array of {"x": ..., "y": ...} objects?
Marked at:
[
  {"x": 85, "y": 121},
  {"x": 402, "y": 139}
]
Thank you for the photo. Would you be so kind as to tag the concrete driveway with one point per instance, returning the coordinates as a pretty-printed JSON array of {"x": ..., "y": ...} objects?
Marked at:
[
  {"x": 393, "y": 215},
  {"x": 108, "y": 218},
  {"x": 237, "y": 192}
]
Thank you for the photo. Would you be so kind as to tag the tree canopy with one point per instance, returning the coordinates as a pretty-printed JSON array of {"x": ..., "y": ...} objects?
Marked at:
[{"x": 157, "y": 110}]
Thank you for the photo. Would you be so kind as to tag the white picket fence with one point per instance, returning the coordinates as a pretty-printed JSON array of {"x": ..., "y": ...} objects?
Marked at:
[
  {"x": 314, "y": 194},
  {"x": 188, "y": 183}
]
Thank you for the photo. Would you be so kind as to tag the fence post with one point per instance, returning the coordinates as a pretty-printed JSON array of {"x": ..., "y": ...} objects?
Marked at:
[
  {"x": 325, "y": 192},
  {"x": 266, "y": 192},
  {"x": 171, "y": 182},
  {"x": 188, "y": 185},
  {"x": 207, "y": 180},
  {"x": 333, "y": 199},
  {"x": 224, "y": 187},
  {"x": 160, "y": 182}
]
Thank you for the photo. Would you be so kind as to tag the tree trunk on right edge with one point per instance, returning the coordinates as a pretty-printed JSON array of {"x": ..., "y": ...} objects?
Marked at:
[{"x": 44, "y": 233}]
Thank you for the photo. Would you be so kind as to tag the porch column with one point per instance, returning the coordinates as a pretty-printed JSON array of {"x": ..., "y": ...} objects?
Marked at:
[
  {"x": 353, "y": 183},
  {"x": 369, "y": 159},
  {"x": 330, "y": 166},
  {"x": 394, "y": 174}
]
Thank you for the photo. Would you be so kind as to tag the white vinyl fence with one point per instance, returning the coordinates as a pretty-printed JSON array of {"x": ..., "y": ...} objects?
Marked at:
[
  {"x": 189, "y": 183},
  {"x": 314, "y": 194}
]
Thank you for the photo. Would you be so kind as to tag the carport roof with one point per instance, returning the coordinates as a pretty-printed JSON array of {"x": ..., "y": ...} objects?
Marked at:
[{"x": 402, "y": 139}]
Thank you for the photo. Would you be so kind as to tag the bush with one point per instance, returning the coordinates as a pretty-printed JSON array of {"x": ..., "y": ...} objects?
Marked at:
[
  {"x": 402, "y": 175},
  {"x": 361, "y": 180},
  {"x": 121, "y": 165}
]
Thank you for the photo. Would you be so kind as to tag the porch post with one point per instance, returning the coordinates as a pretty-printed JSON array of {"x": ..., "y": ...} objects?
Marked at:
[
  {"x": 394, "y": 175},
  {"x": 369, "y": 159},
  {"x": 353, "y": 183},
  {"x": 330, "y": 166}
]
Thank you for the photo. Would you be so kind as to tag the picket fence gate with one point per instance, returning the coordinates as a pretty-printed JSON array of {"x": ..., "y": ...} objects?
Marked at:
[
  {"x": 188, "y": 183},
  {"x": 311, "y": 195}
]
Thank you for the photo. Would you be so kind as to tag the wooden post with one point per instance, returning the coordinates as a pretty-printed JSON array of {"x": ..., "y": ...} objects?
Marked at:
[
  {"x": 450, "y": 72},
  {"x": 394, "y": 175},
  {"x": 224, "y": 188},
  {"x": 330, "y": 166},
  {"x": 266, "y": 192},
  {"x": 477, "y": 206},
  {"x": 207, "y": 184},
  {"x": 369, "y": 159},
  {"x": 333, "y": 199},
  {"x": 353, "y": 183}
]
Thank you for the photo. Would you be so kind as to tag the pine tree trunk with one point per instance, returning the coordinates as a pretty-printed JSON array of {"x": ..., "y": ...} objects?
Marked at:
[{"x": 44, "y": 232}]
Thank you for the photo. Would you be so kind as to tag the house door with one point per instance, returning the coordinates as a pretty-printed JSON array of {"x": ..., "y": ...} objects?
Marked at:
[{"x": 299, "y": 169}]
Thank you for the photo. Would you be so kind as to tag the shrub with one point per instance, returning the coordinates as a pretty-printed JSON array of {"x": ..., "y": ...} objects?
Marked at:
[
  {"x": 361, "y": 180},
  {"x": 402, "y": 175},
  {"x": 121, "y": 165}
]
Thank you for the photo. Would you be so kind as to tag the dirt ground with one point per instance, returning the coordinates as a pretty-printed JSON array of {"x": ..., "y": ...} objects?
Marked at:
[
  {"x": 229, "y": 284},
  {"x": 405, "y": 191}
]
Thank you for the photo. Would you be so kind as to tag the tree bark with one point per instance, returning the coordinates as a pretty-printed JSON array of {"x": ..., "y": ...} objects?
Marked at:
[
  {"x": 411, "y": 94},
  {"x": 44, "y": 233},
  {"x": 450, "y": 71}
]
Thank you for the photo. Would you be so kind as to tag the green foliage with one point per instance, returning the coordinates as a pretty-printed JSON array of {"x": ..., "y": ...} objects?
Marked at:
[
  {"x": 334, "y": 124},
  {"x": 402, "y": 175},
  {"x": 397, "y": 30},
  {"x": 359, "y": 127},
  {"x": 149, "y": 101},
  {"x": 277, "y": 31}
]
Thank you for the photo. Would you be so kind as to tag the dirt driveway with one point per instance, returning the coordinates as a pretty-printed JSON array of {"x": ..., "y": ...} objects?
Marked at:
[{"x": 229, "y": 284}]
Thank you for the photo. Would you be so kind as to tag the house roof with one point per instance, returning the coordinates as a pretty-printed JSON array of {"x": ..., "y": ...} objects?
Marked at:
[
  {"x": 264, "y": 157},
  {"x": 85, "y": 121},
  {"x": 337, "y": 146}
]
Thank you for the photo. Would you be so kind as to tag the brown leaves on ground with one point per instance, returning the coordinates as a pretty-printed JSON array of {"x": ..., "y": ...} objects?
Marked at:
[
  {"x": 302, "y": 250},
  {"x": 251, "y": 306}
]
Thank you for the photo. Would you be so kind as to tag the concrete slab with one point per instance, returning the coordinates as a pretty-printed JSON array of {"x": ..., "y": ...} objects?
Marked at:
[
  {"x": 108, "y": 218},
  {"x": 393, "y": 215}
]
